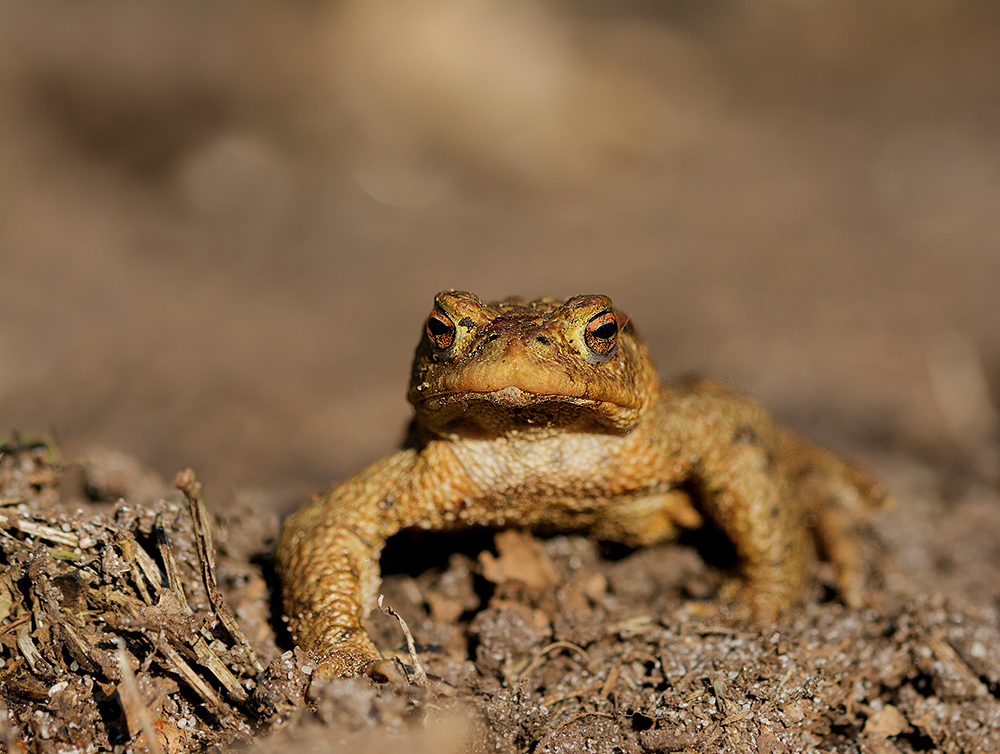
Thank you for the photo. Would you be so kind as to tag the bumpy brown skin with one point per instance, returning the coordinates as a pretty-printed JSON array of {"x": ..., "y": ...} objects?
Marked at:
[{"x": 549, "y": 415}]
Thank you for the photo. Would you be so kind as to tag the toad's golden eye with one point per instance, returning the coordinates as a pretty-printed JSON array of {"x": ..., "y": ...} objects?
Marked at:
[
  {"x": 440, "y": 330},
  {"x": 601, "y": 334}
]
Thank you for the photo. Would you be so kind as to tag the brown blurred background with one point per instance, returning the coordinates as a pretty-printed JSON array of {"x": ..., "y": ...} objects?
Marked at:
[{"x": 222, "y": 225}]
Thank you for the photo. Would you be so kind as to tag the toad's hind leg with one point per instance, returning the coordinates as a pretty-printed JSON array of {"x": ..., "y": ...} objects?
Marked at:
[{"x": 839, "y": 499}]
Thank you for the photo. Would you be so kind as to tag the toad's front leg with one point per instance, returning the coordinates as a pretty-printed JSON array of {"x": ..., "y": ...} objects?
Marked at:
[{"x": 328, "y": 553}]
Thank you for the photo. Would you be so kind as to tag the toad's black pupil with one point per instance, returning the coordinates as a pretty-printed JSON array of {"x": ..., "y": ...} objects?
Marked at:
[
  {"x": 437, "y": 327},
  {"x": 605, "y": 331}
]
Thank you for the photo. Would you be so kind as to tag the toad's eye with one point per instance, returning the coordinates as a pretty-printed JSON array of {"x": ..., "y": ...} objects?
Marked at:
[
  {"x": 440, "y": 330},
  {"x": 601, "y": 334}
]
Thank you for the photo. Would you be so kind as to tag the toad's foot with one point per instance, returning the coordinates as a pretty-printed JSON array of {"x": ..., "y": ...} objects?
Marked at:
[
  {"x": 352, "y": 656},
  {"x": 349, "y": 661},
  {"x": 743, "y": 603}
]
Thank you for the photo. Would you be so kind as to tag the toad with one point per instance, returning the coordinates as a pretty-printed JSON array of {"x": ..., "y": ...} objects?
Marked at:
[{"x": 549, "y": 415}]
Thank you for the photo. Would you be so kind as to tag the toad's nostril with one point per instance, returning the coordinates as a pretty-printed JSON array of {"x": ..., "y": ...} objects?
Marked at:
[{"x": 542, "y": 339}]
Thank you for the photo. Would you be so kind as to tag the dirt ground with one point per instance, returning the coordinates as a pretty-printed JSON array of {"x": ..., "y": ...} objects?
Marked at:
[{"x": 221, "y": 228}]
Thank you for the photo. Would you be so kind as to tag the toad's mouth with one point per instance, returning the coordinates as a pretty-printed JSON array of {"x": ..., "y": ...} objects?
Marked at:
[
  {"x": 518, "y": 377},
  {"x": 513, "y": 397},
  {"x": 513, "y": 409}
]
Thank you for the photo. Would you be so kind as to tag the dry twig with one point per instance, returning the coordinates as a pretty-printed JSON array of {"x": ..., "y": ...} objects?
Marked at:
[
  {"x": 185, "y": 481},
  {"x": 420, "y": 678},
  {"x": 131, "y": 701}
]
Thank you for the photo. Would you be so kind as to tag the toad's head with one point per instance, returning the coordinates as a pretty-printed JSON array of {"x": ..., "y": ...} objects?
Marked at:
[{"x": 484, "y": 370}]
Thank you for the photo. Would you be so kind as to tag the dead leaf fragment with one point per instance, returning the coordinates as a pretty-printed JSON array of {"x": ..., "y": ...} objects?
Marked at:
[
  {"x": 887, "y": 722},
  {"x": 520, "y": 558}
]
